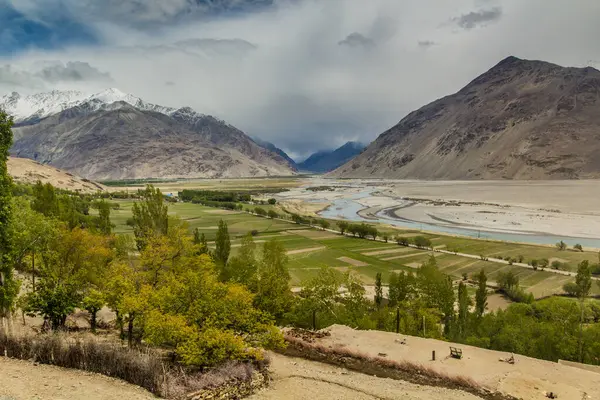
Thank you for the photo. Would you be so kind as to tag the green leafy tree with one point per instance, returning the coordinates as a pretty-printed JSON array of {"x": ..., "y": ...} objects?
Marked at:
[
  {"x": 508, "y": 281},
  {"x": 481, "y": 294},
  {"x": 320, "y": 298},
  {"x": 272, "y": 214},
  {"x": 561, "y": 246},
  {"x": 272, "y": 202},
  {"x": 324, "y": 224},
  {"x": 583, "y": 280},
  {"x": 343, "y": 226},
  {"x": 9, "y": 286},
  {"x": 435, "y": 289},
  {"x": 150, "y": 216},
  {"x": 243, "y": 267},
  {"x": 402, "y": 287},
  {"x": 93, "y": 301},
  {"x": 223, "y": 245},
  {"x": 464, "y": 302},
  {"x": 578, "y": 247},
  {"x": 74, "y": 262},
  {"x": 272, "y": 287},
  {"x": 45, "y": 200},
  {"x": 402, "y": 241},
  {"x": 104, "y": 224},
  {"x": 422, "y": 242},
  {"x": 393, "y": 289},
  {"x": 378, "y": 290}
]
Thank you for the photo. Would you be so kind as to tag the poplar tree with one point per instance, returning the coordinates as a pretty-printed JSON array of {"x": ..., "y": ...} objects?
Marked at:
[
  {"x": 481, "y": 294},
  {"x": 223, "y": 245},
  {"x": 8, "y": 285}
]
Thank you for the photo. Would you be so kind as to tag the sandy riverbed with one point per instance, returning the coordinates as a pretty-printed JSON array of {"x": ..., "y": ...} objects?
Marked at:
[{"x": 559, "y": 208}]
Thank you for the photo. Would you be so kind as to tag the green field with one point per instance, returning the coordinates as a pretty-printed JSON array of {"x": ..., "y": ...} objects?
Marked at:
[{"x": 310, "y": 249}]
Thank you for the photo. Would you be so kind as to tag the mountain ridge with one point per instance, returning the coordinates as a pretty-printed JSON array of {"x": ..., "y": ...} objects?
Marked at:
[
  {"x": 328, "y": 160},
  {"x": 113, "y": 135},
  {"x": 521, "y": 119}
]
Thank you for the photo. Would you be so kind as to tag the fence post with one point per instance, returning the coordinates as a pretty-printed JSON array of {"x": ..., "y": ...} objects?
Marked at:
[
  {"x": 398, "y": 320},
  {"x": 314, "y": 320}
]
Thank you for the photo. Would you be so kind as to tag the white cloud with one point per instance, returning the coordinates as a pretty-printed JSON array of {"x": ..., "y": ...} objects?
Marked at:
[{"x": 285, "y": 78}]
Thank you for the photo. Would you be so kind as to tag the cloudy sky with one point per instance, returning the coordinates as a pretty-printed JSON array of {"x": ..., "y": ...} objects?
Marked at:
[{"x": 303, "y": 74}]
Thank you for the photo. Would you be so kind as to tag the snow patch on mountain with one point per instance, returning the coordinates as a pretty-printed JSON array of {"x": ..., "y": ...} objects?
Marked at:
[{"x": 41, "y": 105}]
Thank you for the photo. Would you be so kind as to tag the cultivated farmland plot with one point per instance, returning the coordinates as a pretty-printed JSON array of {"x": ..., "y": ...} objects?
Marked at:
[{"x": 310, "y": 249}]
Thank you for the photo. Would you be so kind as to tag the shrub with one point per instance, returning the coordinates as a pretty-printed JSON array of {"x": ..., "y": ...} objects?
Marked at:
[
  {"x": 578, "y": 247},
  {"x": 571, "y": 289},
  {"x": 272, "y": 214},
  {"x": 254, "y": 232},
  {"x": 561, "y": 246},
  {"x": 520, "y": 258},
  {"x": 134, "y": 366},
  {"x": 272, "y": 202},
  {"x": 214, "y": 346},
  {"x": 556, "y": 264}
]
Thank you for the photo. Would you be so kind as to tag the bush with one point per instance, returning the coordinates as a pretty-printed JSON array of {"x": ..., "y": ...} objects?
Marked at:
[
  {"x": 272, "y": 202},
  {"x": 213, "y": 347},
  {"x": 139, "y": 368},
  {"x": 561, "y": 246},
  {"x": 571, "y": 289},
  {"x": 578, "y": 247},
  {"x": 272, "y": 214},
  {"x": 556, "y": 264}
]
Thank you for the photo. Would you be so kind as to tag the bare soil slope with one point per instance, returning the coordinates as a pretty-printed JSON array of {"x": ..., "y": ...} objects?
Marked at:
[
  {"x": 528, "y": 378},
  {"x": 25, "y": 170},
  {"x": 520, "y": 120},
  {"x": 22, "y": 380}
]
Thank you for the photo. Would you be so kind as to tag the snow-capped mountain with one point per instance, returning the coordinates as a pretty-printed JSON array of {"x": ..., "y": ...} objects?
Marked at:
[
  {"x": 41, "y": 105},
  {"x": 115, "y": 135}
]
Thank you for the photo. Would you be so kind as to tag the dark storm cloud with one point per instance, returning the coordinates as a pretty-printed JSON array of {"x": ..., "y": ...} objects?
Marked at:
[
  {"x": 426, "y": 43},
  {"x": 356, "y": 40},
  {"x": 45, "y": 74},
  {"x": 74, "y": 71},
  {"x": 478, "y": 18}
]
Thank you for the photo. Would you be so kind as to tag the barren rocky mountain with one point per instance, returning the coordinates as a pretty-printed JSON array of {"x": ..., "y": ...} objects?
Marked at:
[
  {"x": 105, "y": 140},
  {"x": 519, "y": 120}
]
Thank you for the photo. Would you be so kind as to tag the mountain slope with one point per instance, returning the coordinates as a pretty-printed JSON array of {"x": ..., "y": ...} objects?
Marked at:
[
  {"x": 271, "y": 147},
  {"x": 24, "y": 170},
  {"x": 328, "y": 160},
  {"x": 519, "y": 120},
  {"x": 112, "y": 135}
]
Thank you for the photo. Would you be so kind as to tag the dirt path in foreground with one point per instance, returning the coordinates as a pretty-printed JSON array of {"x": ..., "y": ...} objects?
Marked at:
[
  {"x": 22, "y": 380},
  {"x": 298, "y": 379}
]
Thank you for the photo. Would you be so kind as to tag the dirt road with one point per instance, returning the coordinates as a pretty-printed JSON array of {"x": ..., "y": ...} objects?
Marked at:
[
  {"x": 22, "y": 380},
  {"x": 298, "y": 379}
]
